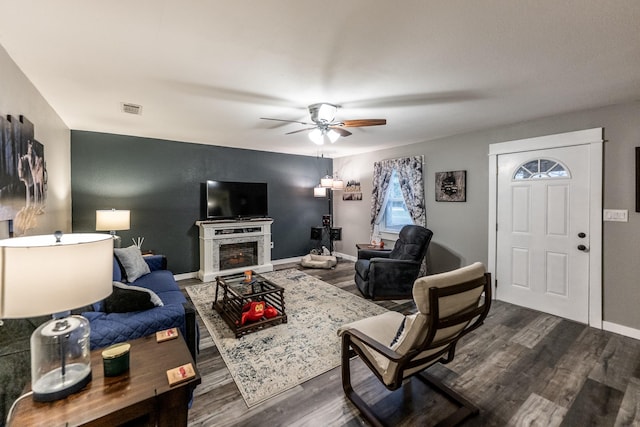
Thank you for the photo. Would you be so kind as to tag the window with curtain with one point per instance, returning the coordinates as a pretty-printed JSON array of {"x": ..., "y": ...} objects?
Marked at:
[
  {"x": 394, "y": 213},
  {"x": 398, "y": 194}
]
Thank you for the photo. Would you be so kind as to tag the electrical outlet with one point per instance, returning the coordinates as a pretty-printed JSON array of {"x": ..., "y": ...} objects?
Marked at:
[
  {"x": 618, "y": 215},
  {"x": 271, "y": 245}
]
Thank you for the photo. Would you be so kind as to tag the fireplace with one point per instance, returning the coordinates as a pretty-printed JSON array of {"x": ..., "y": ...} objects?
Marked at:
[
  {"x": 236, "y": 255},
  {"x": 230, "y": 247}
]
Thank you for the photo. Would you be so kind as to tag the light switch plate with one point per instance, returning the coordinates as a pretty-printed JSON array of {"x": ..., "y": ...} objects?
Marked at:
[{"x": 619, "y": 215}]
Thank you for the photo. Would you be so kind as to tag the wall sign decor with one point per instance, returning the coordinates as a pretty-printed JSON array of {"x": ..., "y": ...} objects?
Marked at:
[
  {"x": 23, "y": 174},
  {"x": 451, "y": 186},
  {"x": 352, "y": 191}
]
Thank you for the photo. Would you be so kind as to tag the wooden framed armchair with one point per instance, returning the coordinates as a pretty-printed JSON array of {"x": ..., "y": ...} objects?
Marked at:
[{"x": 396, "y": 347}]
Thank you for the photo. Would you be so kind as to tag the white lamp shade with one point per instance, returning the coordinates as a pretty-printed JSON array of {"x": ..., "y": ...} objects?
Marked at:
[
  {"x": 338, "y": 184},
  {"x": 316, "y": 136},
  {"x": 41, "y": 277},
  {"x": 327, "y": 112},
  {"x": 327, "y": 182},
  {"x": 333, "y": 135},
  {"x": 319, "y": 192},
  {"x": 112, "y": 220}
]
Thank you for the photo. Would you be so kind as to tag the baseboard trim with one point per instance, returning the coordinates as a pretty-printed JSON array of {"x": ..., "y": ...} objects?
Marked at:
[
  {"x": 286, "y": 260},
  {"x": 621, "y": 329},
  {"x": 184, "y": 276},
  {"x": 345, "y": 256}
]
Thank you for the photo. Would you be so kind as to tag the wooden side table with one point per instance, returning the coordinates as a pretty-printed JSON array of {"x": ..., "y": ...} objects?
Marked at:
[
  {"x": 369, "y": 246},
  {"x": 141, "y": 396}
]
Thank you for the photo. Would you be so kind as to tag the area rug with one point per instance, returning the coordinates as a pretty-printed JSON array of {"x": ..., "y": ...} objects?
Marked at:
[{"x": 270, "y": 361}]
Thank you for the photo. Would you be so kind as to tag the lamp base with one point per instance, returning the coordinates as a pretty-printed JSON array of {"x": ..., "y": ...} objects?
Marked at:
[
  {"x": 49, "y": 387},
  {"x": 60, "y": 358}
]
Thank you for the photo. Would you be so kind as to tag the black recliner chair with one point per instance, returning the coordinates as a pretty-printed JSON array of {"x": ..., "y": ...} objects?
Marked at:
[{"x": 390, "y": 274}]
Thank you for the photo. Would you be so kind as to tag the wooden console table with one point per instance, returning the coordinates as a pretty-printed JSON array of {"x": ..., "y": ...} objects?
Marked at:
[
  {"x": 369, "y": 247},
  {"x": 141, "y": 396}
]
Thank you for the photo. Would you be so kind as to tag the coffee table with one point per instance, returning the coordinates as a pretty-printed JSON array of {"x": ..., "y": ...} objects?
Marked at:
[{"x": 233, "y": 293}]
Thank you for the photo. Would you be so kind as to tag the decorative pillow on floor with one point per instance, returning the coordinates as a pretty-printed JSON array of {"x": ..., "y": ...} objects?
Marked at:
[
  {"x": 132, "y": 261},
  {"x": 126, "y": 298}
]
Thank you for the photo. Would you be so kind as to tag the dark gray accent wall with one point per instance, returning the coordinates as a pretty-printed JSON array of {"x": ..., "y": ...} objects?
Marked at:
[{"x": 160, "y": 182}]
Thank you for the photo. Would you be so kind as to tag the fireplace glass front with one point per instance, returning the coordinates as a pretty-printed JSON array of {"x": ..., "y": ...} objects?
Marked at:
[{"x": 236, "y": 255}]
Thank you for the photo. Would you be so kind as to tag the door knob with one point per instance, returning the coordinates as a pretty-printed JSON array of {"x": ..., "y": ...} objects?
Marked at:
[
  {"x": 583, "y": 248},
  {"x": 582, "y": 235}
]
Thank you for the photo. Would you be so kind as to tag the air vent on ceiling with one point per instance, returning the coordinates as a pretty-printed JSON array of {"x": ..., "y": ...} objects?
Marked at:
[{"x": 131, "y": 108}]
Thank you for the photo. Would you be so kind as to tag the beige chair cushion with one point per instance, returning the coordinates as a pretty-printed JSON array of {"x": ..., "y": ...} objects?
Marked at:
[
  {"x": 448, "y": 305},
  {"x": 382, "y": 328},
  {"x": 415, "y": 329},
  {"x": 318, "y": 261}
]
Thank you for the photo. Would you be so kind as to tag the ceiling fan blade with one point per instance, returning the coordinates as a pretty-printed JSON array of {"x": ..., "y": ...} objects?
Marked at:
[
  {"x": 300, "y": 130},
  {"x": 288, "y": 121},
  {"x": 342, "y": 132},
  {"x": 363, "y": 122}
]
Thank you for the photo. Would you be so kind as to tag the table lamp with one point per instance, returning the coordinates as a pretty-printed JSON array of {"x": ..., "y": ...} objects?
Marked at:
[
  {"x": 112, "y": 220},
  {"x": 41, "y": 275}
]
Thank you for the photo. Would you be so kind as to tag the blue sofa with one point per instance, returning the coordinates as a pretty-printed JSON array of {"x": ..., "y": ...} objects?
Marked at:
[{"x": 111, "y": 328}]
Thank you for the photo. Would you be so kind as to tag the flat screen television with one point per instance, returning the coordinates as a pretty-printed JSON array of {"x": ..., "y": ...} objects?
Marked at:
[{"x": 236, "y": 200}]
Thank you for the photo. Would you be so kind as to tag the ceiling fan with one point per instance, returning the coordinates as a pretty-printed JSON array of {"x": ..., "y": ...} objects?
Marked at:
[{"x": 325, "y": 126}]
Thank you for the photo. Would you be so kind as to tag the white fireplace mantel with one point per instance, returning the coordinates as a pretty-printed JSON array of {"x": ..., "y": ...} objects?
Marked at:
[{"x": 216, "y": 233}]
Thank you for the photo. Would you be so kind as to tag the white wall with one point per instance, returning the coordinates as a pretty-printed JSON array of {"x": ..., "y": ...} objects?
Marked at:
[
  {"x": 461, "y": 230},
  {"x": 19, "y": 97}
]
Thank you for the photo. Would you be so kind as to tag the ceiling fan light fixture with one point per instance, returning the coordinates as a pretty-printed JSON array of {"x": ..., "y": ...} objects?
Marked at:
[
  {"x": 323, "y": 112},
  {"x": 333, "y": 135},
  {"x": 324, "y": 129},
  {"x": 316, "y": 136}
]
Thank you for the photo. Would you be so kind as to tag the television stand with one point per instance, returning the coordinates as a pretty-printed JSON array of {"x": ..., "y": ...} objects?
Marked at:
[{"x": 232, "y": 220}]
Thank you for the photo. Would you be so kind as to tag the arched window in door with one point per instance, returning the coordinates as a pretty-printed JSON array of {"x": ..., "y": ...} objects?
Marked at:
[{"x": 541, "y": 169}]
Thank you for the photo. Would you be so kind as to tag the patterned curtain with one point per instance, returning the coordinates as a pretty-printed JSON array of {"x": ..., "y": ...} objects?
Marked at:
[
  {"x": 381, "y": 177},
  {"x": 409, "y": 170}
]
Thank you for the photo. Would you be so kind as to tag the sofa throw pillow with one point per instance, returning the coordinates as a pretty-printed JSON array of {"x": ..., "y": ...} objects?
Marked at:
[
  {"x": 132, "y": 261},
  {"x": 126, "y": 298}
]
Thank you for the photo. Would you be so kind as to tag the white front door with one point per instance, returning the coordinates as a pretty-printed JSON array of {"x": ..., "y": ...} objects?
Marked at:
[{"x": 542, "y": 241}]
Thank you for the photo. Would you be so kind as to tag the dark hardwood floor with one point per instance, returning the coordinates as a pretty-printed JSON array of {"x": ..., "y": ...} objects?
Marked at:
[{"x": 522, "y": 368}]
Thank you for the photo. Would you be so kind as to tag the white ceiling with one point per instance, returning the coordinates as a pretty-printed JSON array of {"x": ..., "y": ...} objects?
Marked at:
[{"x": 206, "y": 71}]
